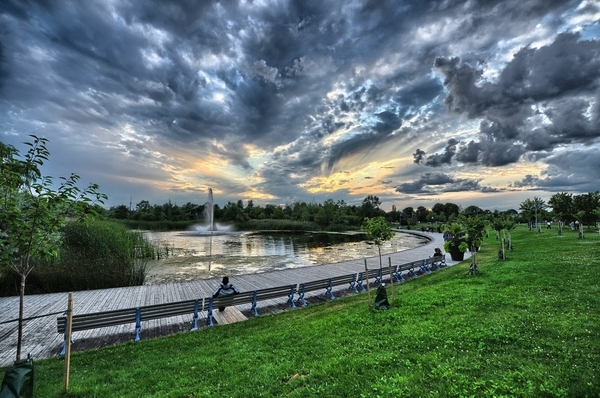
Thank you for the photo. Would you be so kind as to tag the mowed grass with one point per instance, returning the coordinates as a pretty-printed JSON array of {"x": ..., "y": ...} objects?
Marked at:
[{"x": 527, "y": 326}]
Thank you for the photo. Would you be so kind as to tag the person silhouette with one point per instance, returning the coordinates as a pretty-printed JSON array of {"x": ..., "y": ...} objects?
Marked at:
[{"x": 226, "y": 289}]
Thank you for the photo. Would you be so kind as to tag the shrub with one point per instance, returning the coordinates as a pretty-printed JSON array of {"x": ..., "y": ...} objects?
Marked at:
[{"x": 94, "y": 255}]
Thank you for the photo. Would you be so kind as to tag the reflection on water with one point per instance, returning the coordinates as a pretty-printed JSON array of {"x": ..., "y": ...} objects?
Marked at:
[{"x": 200, "y": 256}]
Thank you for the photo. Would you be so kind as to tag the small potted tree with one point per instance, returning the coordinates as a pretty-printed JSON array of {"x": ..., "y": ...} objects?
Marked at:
[{"x": 457, "y": 244}]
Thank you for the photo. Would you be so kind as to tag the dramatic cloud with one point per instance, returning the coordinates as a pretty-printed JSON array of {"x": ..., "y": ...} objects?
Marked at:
[
  {"x": 436, "y": 183},
  {"x": 543, "y": 98},
  {"x": 307, "y": 100}
]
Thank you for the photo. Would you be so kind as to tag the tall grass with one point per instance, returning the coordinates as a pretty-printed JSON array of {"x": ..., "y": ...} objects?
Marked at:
[
  {"x": 158, "y": 225},
  {"x": 94, "y": 255},
  {"x": 527, "y": 326}
]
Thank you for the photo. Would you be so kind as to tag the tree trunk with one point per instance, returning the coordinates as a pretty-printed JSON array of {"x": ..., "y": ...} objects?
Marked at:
[
  {"x": 21, "y": 305},
  {"x": 379, "y": 247}
]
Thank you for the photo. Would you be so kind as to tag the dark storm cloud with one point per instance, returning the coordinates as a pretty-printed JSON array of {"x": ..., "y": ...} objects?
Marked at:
[
  {"x": 309, "y": 82},
  {"x": 528, "y": 181},
  {"x": 436, "y": 183},
  {"x": 558, "y": 81},
  {"x": 437, "y": 160},
  {"x": 3, "y": 71},
  {"x": 574, "y": 171},
  {"x": 418, "y": 156}
]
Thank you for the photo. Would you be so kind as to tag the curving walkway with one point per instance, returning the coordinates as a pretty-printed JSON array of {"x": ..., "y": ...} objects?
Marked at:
[{"x": 41, "y": 339}]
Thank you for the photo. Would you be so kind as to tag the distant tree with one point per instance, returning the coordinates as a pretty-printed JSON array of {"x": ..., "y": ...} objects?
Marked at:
[
  {"x": 120, "y": 212},
  {"x": 191, "y": 211},
  {"x": 422, "y": 214},
  {"x": 438, "y": 208},
  {"x": 143, "y": 206},
  {"x": 32, "y": 213},
  {"x": 533, "y": 210},
  {"x": 451, "y": 209},
  {"x": 232, "y": 212},
  {"x": 407, "y": 214},
  {"x": 585, "y": 205},
  {"x": 512, "y": 213},
  {"x": 370, "y": 206},
  {"x": 378, "y": 231},
  {"x": 472, "y": 211},
  {"x": 394, "y": 214},
  {"x": 503, "y": 223},
  {"x": 562, "y": 206}
]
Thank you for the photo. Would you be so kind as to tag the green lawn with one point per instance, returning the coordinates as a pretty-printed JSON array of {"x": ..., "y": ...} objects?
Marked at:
[{"x": 528, "y": 326}]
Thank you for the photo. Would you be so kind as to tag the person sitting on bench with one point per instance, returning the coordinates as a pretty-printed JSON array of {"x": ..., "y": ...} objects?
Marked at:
[
  {"x": 226, "y": 289},
  {"x": 438, "y": 252}
]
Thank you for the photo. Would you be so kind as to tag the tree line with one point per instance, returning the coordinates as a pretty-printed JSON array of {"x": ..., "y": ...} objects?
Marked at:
[{"x": 562, "y": 206}]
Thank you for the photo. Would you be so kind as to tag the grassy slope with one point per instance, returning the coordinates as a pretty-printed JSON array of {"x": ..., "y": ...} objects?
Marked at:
[{"x": 526, "y": 326}]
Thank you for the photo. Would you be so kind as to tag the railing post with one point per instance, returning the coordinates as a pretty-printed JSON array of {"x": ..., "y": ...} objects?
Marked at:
[
  {"x": 138, "y": 323},
  {"x": 367, "y": 278},
  {"x": 391, "y": 278},
  {"x": 210, "y": 310},
  {"x": 68, "y": 328},
  {"x": 195, "y": 319},
  {"x": 291, "y": 296},
  {"x": 329, "y": 290},
  {"x": 254, "y": 303}
]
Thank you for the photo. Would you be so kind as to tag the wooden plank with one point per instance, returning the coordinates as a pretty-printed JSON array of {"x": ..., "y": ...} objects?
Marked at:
[{"x": 230, "y": 315}]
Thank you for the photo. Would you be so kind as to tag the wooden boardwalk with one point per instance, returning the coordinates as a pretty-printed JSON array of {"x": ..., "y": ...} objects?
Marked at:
[{"x": 41, "y": 339}]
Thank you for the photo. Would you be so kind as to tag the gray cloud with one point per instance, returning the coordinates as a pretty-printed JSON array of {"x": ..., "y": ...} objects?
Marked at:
[
  {"x": 558, "y": 81},
  {"x": 293, "y": 91},
  {"x": 437, "y": 183},
  {"x": 568, "y": 171}
]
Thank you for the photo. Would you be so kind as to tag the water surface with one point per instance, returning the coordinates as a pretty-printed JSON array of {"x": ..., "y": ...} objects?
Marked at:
[{"x": 199, "y": 255}]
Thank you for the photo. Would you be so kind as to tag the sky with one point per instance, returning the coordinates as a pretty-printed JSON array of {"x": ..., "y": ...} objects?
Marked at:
[{"x": 482, "y": 103}]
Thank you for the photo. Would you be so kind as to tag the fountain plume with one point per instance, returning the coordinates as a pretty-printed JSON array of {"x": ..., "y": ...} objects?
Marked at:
[{"x": 209, "y": 210}]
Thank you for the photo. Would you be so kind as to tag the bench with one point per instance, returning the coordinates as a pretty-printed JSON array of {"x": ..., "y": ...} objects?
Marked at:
[
  {"x": 411, "y": 268},
  {"x": 135, "y": 315},
  {"x": 251, "y": 297},
  {"x": 438, "y": 261},
  {"x": 425, "y": 267},
  {"x": 376, "y": 273},
  {"x": 228, "y": 301},
  {"x": 327, "y": 284},
  {"x": 398, "y": 271}
]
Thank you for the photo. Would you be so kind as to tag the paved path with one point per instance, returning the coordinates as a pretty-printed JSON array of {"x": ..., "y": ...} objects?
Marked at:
[{"x": 41, "y": 339}]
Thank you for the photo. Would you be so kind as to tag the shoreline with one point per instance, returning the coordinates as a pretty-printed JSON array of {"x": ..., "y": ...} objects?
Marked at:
[{"x": 41, "y": 339}]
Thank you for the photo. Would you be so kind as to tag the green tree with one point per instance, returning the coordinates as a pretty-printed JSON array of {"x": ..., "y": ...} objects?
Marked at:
[
  {"x": 585, "y": 205},
  {"x": 32, "y": 213},
  {"x": 562, "y": 206},
  {"x": 407, "y": 215},
  {"x": 533, "y": 210},
  {"x": 378, "y": 231},
  {"x": 370, "y": 206},
  {"x": 394, "y": 214},
  {"x": 451, "y": 209},
  {"x": 422, "y": 214},
  {"x": 472, "y": 211}
]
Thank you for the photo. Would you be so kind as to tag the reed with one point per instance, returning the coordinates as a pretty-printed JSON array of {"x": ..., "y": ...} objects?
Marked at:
[{"x": 94, "y": 255}]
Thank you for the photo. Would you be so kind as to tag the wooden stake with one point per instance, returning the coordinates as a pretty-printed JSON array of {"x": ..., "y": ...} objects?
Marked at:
[
  {"x": 367, "y": 280},
  {"x": 68, "y": 340},
  {"x": 391, "y": 278}
]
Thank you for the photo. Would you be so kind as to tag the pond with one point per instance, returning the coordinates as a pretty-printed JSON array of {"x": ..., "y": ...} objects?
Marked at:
[{"x": 194, "y": 255}]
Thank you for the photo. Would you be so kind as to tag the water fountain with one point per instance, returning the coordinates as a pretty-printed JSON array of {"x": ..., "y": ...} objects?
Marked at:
[
  {"x": 210, "y": 227},
  {"x": 209, "y": 210}
]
